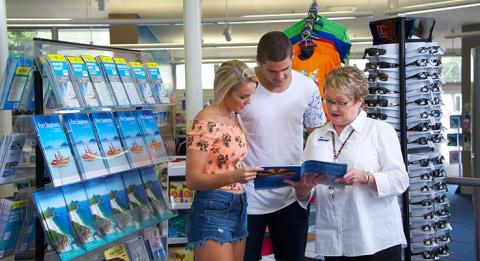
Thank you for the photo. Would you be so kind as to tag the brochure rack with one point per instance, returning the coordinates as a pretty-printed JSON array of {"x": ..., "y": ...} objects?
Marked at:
[
  {"x": 405, "y": 87},
  {"x": 57, "y": 94}
]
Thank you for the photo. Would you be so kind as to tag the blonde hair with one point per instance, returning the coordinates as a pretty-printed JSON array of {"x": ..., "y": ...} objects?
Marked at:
[
  {"x": 348, "y": 80},
  {"x": 229, "y": 76}
]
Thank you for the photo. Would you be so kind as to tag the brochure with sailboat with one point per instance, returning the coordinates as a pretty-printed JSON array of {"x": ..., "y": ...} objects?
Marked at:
[
  {"x": 56, "y": 223},
  {"x": 272, "y": 177},
  {"x": 81, "y": 217},
  {"x": 140, "y": 77},
  {"x": 154, "y": 193},
  {"x": 85, "y": 147},
  {"x": 151, "y": 134},
  {"x": 110, "y": 71},
  {"x": 132, "y": 138},
  {"x": 63, "y": 88},
  {"x": 56, "y": 150},
  {"x": 109, "y": 141},
  {"x": 79, "y": 73},
  {"x": 121, "y": 207},
  {"x": 98, "y": 195},
  {"x": 138, "y": 198},
  {"x": 127, "y": 80},
  {"x": 105, "y": 94}
]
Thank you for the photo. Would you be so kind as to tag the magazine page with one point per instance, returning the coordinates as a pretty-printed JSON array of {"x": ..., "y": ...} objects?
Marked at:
[
  {"x": 105, "y": 94},
  {"x": 56, "y": 150},
  {"x": 273, "y": 176},
  {"x": 132, "y": 138},
  {"x": 85, "y": 146}
]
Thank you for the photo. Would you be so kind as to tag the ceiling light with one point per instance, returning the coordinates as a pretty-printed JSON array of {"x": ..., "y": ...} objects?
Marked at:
[
  {"x": 432, "y": 7},
  {"x": 342, "y": 8},
  {"x": 38, "y": 19}
]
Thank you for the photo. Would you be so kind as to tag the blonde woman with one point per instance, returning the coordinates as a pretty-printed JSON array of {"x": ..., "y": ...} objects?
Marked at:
[{"x": 216, "y": 146}]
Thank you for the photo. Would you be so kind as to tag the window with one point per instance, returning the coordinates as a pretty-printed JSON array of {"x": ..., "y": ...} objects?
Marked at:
[
  {"x": 208, "y": 75},
  {"x": 97, "y": 36},
  {"x": 17, "y": 37}
]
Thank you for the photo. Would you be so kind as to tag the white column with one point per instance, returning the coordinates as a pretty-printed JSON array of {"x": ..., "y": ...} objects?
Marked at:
[
  {"x": 192, "y": 22},
  {"x": 5, "y": 116}
]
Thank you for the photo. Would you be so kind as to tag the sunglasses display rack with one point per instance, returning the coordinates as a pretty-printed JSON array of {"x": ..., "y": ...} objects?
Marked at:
[{"x": 405, "y": 87}]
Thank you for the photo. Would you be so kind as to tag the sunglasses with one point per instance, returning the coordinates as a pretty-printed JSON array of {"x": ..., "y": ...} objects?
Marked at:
[
  {"x": 419, "y": 63},
  {"x": 442, "y": 213},
  {"x": 443, "y": 250},
  {"x": 437, "y": 138},
  {"x": 376, "y": 65},
  {"x": 425, "y": 49},
  {"x": 380, "y": 103},
  {"x": 425, "y": 203},
  {"x": 420, "y": 127},
  {"x": 440, "y": 186},
  {"x": 422, "y": 162},
  {"x": 428, "y": 255},
  {"x": 444, "y": 238},
  {"x": 436, "y": 62},
  {"x": 429, "y": 241},
  {"x": 374, "y": 52},
  {"x": 441, "y": 199},
  {"x": 433, "y": 113},
  {"x": 425, "y": 101},
  {"x": 380, "y": 90},
  {"x": 427, "y": 228},
  {"x": 419, "y": 76},
  {"x": 421, "y": 141},
  {"x": 377, "y": 115},
  {"x": 434, "y": 87},
  {"x": 439, "y": 173},
  {"x": 429, "y": 216},
  {"x": 379, "y": 75}
]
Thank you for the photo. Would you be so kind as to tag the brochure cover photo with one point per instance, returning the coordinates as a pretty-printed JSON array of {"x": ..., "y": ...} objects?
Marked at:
[
  {"x": 82, "y": 219},
  {"x": 122, "y": 210},
  {"x": 85, "y": 145},
  {"x": 154, "y": 193},
  {"x": 273, "y": 176},
  {"x": 102, "y": 211},
  {"x": 138, "y": 197},
  {"x": 109, "y": 140},
  {"x": 56, "y": 150},
  {"x": 56, "y": 223},
  {"x": 132, "y": 138},
  {"x": 151, "y": 132}
]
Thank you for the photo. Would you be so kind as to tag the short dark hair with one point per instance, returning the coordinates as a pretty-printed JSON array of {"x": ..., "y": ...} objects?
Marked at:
[{"x": 274, "y": 46}]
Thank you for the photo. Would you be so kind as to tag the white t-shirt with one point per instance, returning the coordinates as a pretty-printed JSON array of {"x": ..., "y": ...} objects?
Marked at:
[
  {"x": 358, "y": 221},
  {"x": 275, "y": 122}
]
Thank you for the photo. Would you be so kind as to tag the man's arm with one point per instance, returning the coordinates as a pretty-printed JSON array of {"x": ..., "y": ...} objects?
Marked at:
[{"x": 314, "y": 116}]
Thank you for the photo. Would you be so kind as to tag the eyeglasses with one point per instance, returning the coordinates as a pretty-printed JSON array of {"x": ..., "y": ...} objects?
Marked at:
[
  {"x": 421, "y": 141},
  {"x": 443, "y": 250},
  {"x": 436, "y": 62},
  {"x": 436, "y": 126},
  {"x": 427, "y": 228},
  {"x": 425, "y": 101},
  {"x": 444, "y": 238},
  {"x": 380, "y": 103},
  {"x": 422, "y": 162},
  {"x": 427, "y": 49},
  {"x": 437, "y": 138},
  {"x": 440, "y": 199},
  {"x": 425, "y": 202},
  {"x": 419, "y": 63},
  {"x": 374, "y": 52},
  {"x": 339, "y": 104},
  {"x": 439, "y": 173},
  {"x": 420, "y": 127},
  {"x": 429, "y": 255},
  {"x": 437, "y": 160},
  {"x": 419, "y": 76},
  {"x": 442, "y": 213},
  {"x": 440, "y": 186},
  {"x": 434, "y": 87},
  {"x": 429, "y": 241},
  {"x": 377, "y": 115},
  {"x": 429, "y": 216},
  {"x": 376, "y": 65},
  {"x": 380, "y": 90},
  {"x": 381, "y": 76}
]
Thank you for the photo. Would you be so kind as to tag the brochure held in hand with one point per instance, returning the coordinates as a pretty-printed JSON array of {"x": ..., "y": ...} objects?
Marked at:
[{"x": 273, "y": 176}]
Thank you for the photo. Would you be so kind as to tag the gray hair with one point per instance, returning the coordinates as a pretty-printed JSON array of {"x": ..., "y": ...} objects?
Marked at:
[{"x": 349, "y": 80}]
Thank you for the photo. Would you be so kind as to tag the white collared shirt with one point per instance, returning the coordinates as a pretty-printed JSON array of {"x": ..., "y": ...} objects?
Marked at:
[{"x": 357, "y": 220}]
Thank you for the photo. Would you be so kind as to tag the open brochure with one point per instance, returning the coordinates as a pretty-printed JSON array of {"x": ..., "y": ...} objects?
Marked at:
[{"x": 273, "y": 176}]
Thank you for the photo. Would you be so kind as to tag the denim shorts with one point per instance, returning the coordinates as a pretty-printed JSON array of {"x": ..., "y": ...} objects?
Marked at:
[{"x": 217, "y": 215}]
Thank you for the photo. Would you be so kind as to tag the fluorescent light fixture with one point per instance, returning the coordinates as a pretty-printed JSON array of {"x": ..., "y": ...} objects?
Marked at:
[
  {"x": 362, "y": 43},
  {"x": 56, "y": 25},
  {"x": 38, "y": 19},
  {"x": 265, "y": 21},
  {"x": 180, "y": 46},
  {"x": 432, "y": 7},
  {"x": 296, "y": 14}
]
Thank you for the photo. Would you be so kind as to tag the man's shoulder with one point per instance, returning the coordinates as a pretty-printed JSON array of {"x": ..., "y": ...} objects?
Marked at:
[{"x": 298, "y": 79}]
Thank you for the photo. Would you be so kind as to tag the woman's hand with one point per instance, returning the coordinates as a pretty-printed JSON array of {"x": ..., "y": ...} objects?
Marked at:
[
  {"x": 245, "y": 175},
  {"x": 353, "y": 176},
  {"x": 304, "y": 186}
]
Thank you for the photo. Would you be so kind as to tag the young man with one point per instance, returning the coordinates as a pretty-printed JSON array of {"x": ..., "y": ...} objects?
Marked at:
[{"x": 284, "y": 103}]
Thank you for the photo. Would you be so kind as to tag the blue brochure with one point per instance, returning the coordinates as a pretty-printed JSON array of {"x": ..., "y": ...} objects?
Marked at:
[
  {"x": 56, "y": 150},
  {"x": 56, "y": 223},
  {"x": 98, "y": 195},
  {"x": 121, "y": 207},
  {"x": 82, "y": 219},
  {"x": 151, "y": 133},
  {"x": 154, "y": 193},
  {"x": 109, "y": 141},
  {"x": 138, "y": 197},
  {"x": 132, "y": 138},
  {"x": 272, "y": 177},
  {"x": 84, "y": 145}
]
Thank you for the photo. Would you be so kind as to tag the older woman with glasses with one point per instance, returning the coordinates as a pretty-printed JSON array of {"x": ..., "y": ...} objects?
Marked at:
[{"x": 358, "y": 218}]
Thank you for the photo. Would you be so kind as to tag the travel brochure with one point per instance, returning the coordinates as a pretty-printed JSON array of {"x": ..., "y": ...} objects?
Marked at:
[
  {"x": 140, "y": 77},
  {"x": 80, "y": 217},
  {"x": 110, "y": 71},
  {"x": 273, "y": 176},
  {"x": 127, "y": 80},
  {"x": 80, "y": 77},
  {"x": 105, "y": 94},
  {"x": 98, "y": 144},
  {"x": 63, "y": 88}
]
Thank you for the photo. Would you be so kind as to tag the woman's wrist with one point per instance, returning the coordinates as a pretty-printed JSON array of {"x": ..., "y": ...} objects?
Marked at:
[{"x": 368, "y": 178}]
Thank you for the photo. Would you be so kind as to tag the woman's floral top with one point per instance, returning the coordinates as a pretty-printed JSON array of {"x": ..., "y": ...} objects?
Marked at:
[{"x": 226, "y": 146}]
